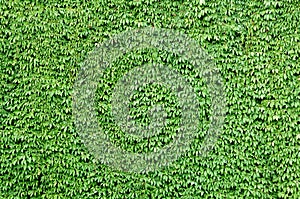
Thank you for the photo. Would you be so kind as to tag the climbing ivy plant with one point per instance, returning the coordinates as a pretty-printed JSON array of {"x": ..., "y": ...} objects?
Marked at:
[{"x": 255, "y": 45}]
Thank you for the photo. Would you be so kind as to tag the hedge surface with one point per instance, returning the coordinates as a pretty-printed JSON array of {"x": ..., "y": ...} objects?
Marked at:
[{"x": 256, "y": 46}]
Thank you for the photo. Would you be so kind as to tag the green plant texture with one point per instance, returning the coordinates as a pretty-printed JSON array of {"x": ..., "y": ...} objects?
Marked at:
[{"x": 256, "y": 46}]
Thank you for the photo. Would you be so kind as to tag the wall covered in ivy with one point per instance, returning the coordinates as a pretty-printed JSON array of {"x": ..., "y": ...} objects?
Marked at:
[{"x": 255, "y": 45}]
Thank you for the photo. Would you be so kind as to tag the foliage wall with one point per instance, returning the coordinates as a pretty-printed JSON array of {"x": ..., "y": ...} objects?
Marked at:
[{"x": 256, "y": 46}]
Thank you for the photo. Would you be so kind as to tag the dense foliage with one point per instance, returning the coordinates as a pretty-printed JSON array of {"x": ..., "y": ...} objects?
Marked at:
[{"x": 256, "y": 46}]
